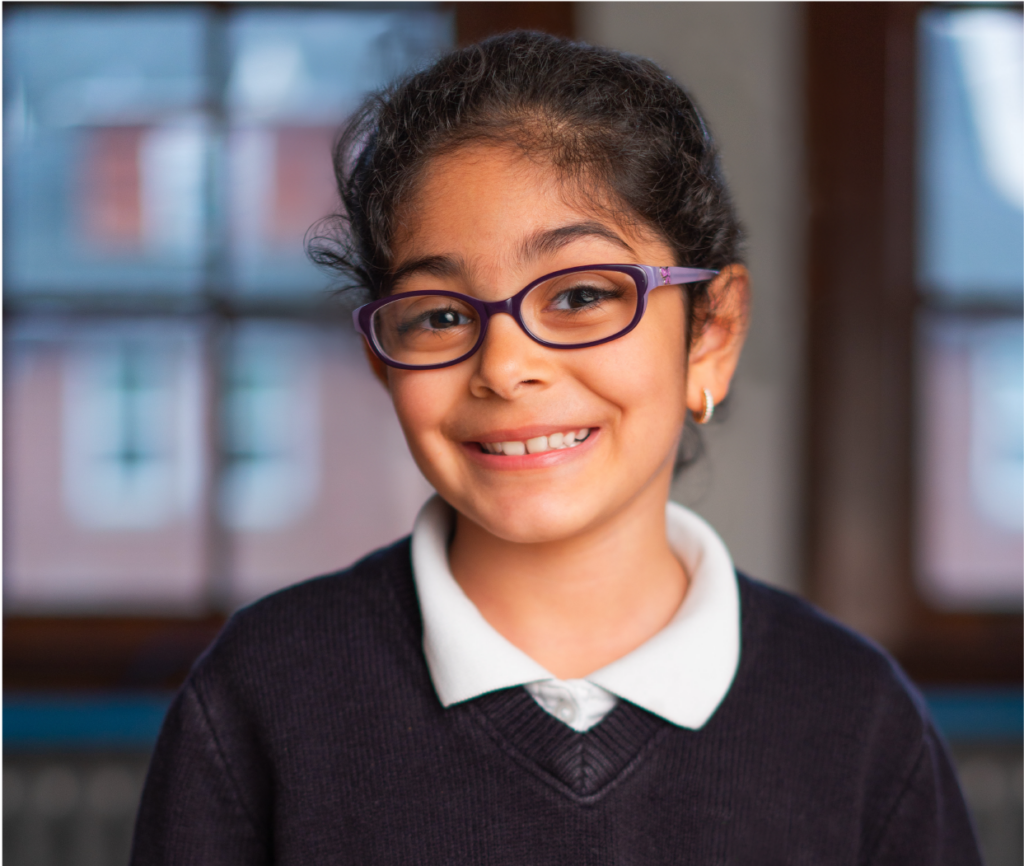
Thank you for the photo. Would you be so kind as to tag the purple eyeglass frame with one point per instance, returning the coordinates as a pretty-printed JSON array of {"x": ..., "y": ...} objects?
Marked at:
[{"x": 646, "y": 277}]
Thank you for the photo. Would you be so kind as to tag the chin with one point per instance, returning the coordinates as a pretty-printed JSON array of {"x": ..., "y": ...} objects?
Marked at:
[{"x": 532, "y": 520}]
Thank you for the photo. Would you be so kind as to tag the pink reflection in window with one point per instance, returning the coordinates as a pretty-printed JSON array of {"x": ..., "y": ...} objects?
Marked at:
[
  {"x": 970, "y": 469},
  {"x": 103, "y": 469},
  {"x": 366, "y": 490}
]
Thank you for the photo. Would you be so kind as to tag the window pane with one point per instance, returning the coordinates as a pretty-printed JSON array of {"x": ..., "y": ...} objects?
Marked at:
[
  {"x": 104, "y": 466},
  {"x": 295, "y": 76},
  {"x": 318, "y": 471},
  {"x": 971, "y": 158},
  {"x": 105, "y": 150},
  {"x": 137, "y": 139},
  {"x": 970, "y": 539}
]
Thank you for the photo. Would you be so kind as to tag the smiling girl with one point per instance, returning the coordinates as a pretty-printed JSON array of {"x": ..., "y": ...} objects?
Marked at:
[{"x": 559, "y": 666}]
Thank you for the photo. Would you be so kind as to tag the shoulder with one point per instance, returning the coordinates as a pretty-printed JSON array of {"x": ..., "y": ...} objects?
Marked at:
[
  {"x": 273, "y": 691},
  {"x": 825, "y": 672},
  {"x": 792, "y": 630},
  {"x": 340, "y": 622},
  {"x": 850, "y": 725},
  {"x": 377, "y": 579}
]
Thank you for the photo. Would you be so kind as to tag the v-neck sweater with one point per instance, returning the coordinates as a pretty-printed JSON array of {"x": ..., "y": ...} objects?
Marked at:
[{"x": 310, "y": 732}]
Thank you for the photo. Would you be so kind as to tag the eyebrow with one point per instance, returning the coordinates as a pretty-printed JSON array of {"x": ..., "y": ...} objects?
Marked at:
[
  {"x": 544, "y": 242},
  {"x": 551, "y": 240},
  {"x": 438, "y": 266}
]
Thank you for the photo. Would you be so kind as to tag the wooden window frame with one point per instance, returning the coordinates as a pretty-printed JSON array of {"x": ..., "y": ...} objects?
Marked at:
[{"x": 861, "y": 100}]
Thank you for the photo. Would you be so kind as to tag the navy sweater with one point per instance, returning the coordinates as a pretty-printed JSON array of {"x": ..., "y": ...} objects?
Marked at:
[{"x": 310, "y": 733}]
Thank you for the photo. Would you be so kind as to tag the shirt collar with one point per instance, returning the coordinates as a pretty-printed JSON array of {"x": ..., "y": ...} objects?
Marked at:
[{"x": 681, "y": 674}]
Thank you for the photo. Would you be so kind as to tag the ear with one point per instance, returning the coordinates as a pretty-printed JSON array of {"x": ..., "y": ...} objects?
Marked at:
[
  {"x": 715, "y": 351},
  {"x": 380, "y": 369}
]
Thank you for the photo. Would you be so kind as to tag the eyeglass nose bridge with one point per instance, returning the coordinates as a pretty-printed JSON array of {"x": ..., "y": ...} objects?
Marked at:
[{"x": 510, "y": 306}]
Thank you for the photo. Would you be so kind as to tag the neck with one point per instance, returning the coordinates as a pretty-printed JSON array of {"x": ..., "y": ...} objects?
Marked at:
[{"x": 579, "y": 603}]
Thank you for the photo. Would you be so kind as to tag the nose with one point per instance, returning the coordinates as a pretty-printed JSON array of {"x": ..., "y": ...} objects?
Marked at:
[{"x": 509, "y": 362}]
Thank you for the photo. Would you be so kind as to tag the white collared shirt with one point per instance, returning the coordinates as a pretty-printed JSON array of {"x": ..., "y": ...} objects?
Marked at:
[{"x": 681, "y": 674}]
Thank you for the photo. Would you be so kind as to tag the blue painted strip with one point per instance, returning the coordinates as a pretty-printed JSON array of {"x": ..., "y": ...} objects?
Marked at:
[
  {"x": 978, "y": 714},
  {"x": 83, "y": 722},
  {"x": 35, "y": 722}
]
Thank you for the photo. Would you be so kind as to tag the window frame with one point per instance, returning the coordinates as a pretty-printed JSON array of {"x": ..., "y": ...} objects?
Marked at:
[{"x": 861, "y": 84}]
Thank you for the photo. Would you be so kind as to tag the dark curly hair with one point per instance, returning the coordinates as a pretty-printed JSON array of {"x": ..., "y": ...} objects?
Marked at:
[{"x": 616, "y": 128}]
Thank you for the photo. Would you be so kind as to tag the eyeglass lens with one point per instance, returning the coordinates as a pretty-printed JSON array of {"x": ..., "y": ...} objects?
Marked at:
[{"x": 568, "y": 310}]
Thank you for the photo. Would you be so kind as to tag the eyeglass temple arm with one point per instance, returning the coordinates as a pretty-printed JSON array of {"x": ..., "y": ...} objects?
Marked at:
[{"x": 678, "y": 276}]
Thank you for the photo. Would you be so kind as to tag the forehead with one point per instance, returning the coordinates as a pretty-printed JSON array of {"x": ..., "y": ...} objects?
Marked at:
[{"x": 486, "y": 197}]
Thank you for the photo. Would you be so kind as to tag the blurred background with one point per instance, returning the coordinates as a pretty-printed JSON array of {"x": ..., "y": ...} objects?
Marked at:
[{"x": 189, "y": 423}]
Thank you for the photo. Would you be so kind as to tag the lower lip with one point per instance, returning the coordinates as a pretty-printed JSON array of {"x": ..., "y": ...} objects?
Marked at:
[{"x": 531, "y": 461}]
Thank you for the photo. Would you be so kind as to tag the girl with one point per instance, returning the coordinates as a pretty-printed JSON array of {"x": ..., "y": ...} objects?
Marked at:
[{"x": 558, "y": 667}]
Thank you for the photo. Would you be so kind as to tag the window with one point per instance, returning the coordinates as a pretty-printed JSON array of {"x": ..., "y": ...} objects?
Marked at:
[
  {"x": 970, "y": 335},
  {"x": 191, "y": 423},
  {"x": 915, "y": 478}
]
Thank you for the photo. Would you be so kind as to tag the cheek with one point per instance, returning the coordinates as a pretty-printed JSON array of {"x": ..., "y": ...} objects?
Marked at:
[
  {"x": 422, "y": 400},
  {"x": 420, "y": 403},
  {"x": 644, "y": 373}
]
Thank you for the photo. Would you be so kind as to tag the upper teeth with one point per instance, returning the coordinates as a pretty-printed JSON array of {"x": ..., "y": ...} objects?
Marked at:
[{"x": 539, "y": 444}]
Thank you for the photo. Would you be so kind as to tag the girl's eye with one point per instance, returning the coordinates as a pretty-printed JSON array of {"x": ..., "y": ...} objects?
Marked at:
[
  {"x": 581, "y": 297},
  {"x": 435, "y": 320},
  {"x": 441, "y": 319}
]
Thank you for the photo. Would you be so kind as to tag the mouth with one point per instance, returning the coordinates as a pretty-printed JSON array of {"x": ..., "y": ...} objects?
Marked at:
[{"x": 537, "y": 444}]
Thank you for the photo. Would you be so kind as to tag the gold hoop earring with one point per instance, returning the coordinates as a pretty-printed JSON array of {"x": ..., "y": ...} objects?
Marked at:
[{"x": 709, "y": 408}]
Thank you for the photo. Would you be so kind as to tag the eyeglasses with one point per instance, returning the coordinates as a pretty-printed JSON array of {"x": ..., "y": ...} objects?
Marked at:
[{"x": 569, "y": 309}]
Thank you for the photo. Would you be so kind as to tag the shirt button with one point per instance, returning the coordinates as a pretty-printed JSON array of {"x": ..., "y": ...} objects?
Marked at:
[{"x": 566, "y": 710}]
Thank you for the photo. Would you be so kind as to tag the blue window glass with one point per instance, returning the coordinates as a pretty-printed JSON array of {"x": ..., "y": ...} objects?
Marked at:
[
  {"x": 971, "y": 156},
  {"x": 105, "y": 150},
  {"x": 293, "y": 76}
]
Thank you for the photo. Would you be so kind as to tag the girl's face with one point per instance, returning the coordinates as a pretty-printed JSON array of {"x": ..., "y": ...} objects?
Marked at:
[{"x": 489, "y": 221}]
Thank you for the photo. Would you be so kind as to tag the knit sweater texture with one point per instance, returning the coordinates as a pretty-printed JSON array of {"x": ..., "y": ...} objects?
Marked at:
[{"x": 310, "y": 733}]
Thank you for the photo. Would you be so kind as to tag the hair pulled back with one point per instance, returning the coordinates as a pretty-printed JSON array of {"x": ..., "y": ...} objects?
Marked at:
[{"x": 615, "y": 127}]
